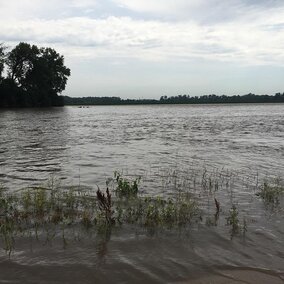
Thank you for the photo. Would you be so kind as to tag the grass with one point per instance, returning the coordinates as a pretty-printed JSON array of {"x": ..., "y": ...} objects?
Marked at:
[
  {"x": 157, "y": 212},
  {"x": 271, "y": 193},
  {"x": 53, "y": 210},
  {"x": 234, "y": 222},
  {"x": 47, "y": 210},
  {"x": 126, "y": 187}
]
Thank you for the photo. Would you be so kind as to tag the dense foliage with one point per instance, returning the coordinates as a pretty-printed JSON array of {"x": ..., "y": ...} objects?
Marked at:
[
  {"x": 2, "y": 56},
  {"x": 185, "y": 99},
  {"x": 35, "y": 77}
]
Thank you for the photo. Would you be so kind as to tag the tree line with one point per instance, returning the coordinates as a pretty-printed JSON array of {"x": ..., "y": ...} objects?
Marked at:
[
  {"x": 31, "y": 76},
  {"x": 181, "y": 99},
  {"x": 34, "y": 77}
]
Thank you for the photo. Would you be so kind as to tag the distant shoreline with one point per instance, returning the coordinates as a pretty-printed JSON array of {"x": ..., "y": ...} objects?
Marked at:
[
  {"x": 184, "y": 99},
  {"x": 164, "y": 100},
  {"x": 173, "y": 104}
]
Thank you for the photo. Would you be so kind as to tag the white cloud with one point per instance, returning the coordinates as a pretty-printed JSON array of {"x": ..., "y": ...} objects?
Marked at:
[
  {"x": 255, "y": 37},
  {"x": 157, "y": 6},
  {"x": 83, "y": 3},
  {"x": 118, "y": 46},
  {"x": 31, "y": 9},
  {"x": 249, "y": 41}
]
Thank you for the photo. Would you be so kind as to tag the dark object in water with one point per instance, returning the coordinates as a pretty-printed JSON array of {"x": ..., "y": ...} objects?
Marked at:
[{"x": 217, "y": 204}]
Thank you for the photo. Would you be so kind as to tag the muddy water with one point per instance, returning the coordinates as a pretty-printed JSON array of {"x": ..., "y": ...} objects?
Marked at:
[
  {"x": 172, "y": 147},
  {"x": 90, "y": 143}
]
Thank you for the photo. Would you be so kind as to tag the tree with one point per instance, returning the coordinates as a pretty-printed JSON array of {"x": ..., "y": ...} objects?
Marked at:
[
  {"x": 47, "y": 78},
  {"x": 20, "y": 61},
  {"x": 48, "y": 72},
  {"x": 2, "y": 58},
  {"x": 38, "y": 75}
]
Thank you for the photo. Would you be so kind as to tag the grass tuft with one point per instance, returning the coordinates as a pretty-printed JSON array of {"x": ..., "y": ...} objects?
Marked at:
[
  {"x": 126, "y": 187},
  {"x": 271, "y": 193}
]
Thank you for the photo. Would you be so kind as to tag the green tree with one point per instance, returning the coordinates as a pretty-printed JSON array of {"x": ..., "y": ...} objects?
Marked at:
[
  {"x": 35, "y": 76},
  {"x": 20, "y": 61},
  {"x": 48, "y": 72}
]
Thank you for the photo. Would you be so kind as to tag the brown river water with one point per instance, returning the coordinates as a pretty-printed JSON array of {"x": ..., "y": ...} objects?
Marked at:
[{"x": 171, "y": 147}]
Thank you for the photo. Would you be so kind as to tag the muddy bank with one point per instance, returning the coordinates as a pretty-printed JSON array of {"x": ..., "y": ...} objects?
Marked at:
[
  {"x": 238, "y": 276},
  {"x": 17, "y": 273}
]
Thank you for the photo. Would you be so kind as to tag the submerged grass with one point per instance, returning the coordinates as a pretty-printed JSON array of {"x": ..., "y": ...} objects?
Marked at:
[
  {"x": 157, "y": 211},
  {"x": 55, "y": 211},
  {"x": 126, "y": 187},
  {"x": 234, "y": 222},
  {"x": 50, "y": 209},
  {"x": 271, "y": 193}
]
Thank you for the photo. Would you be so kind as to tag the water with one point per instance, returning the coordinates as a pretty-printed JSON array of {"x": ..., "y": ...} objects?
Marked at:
[
  {"x": 91, "y": 143},
  {"x": 166, "y": 145}
]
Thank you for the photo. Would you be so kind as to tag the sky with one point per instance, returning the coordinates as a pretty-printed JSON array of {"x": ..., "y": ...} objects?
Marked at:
[{"x": 151, "y": 48}]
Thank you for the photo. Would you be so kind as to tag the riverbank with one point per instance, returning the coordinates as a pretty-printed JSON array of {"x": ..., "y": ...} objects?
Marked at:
[
  {"x": 17, "y": 273},
  {"x": 238, "y": 276}
]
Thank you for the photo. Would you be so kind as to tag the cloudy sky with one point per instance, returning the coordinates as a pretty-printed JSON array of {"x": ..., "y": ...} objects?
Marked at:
[{"x": 149, "y": 48}]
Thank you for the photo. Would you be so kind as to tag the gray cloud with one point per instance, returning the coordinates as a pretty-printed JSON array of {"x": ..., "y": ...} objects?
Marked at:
[
  {"x": 253, "y": 37},
  {"x": 245, "y": 41},
  {"x": 201, "y": 11},
  {"x": 121, "y": 47}
]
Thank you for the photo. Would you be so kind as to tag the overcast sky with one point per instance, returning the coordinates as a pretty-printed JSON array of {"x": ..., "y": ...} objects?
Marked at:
[{"x": 150, "y": 48}]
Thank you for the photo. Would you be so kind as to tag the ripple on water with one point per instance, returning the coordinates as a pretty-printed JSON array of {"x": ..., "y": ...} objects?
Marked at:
[{"x": 86, "y": 145}]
